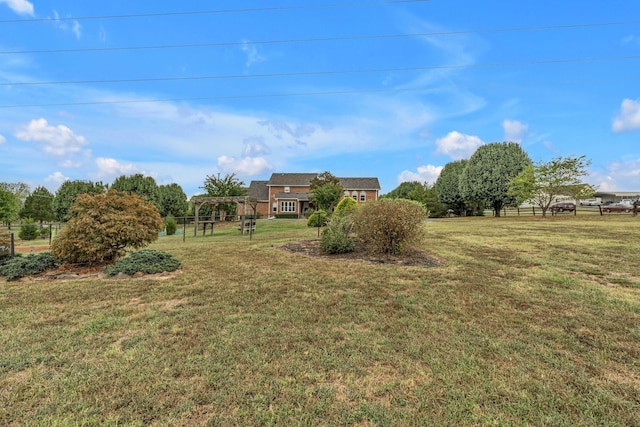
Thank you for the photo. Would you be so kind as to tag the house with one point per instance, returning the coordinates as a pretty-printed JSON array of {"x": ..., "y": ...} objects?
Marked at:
[
  {"x": 289, "y": 193},
  {"x": 617, "y": 196}
]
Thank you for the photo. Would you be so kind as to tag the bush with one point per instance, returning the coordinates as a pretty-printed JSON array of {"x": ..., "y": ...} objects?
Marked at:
[
  {"x": 318, "y": 219},
  {"x": 336, "y": 238},
  {"x": 103, "y": 226},
  {"x": 19, "y": 266},
  {"x": 346, "y": 206},
  {"x": 146, "y": 261},
  {"x": 388, "y": 225},
  {"x": 44, "y": 232},
  {"x": 170, "y": 225},
  {"x": 29, "y": 230}
]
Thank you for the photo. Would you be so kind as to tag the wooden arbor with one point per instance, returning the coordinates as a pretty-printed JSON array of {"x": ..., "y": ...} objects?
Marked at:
[{"x": 214, "y": 202}]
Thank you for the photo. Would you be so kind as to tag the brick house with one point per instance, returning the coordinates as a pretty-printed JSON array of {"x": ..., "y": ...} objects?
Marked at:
[{"x": 289, "y": 193}]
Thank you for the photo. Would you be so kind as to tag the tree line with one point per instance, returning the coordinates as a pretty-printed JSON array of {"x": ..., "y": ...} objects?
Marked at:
[{"x": 499, "y": 175}]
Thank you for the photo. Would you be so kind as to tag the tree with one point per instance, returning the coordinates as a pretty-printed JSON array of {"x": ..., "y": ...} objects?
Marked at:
[
  {"x": 227, "y": 186},
  {"x": 68, "y": 192},
  {"x": 19, "y": 189},
  {"x": 346, "y": 206},
  {"x": 327, "y": 196},
  {"x": 102, "y": 226},
  {"x": 38, "y": 206},
  {"x": 542, "y": 182},
  {"x": 173, "y": 201},
  {"x": 489, "y": 173},
  {"x": 448, "y": 187},
  {"x": 420, "y": 192},
  {"x": 144, "y": 186},
  {"x": 322, "y": 179},
  {"x": 9, "y": 206}
]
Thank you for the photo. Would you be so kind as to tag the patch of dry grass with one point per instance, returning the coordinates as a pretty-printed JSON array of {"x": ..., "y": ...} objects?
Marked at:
[{"x": 529, "y": 321}]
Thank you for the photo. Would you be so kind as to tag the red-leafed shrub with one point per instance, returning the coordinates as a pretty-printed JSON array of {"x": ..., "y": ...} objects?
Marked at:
[{"x": 103, "y": 226}]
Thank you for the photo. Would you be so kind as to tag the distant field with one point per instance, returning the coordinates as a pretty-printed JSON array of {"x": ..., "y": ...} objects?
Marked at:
[{"x": 530, "y": 321}]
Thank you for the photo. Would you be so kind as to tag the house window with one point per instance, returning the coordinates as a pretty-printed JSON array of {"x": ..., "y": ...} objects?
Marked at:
[
  {"x": 287, "y": 189},
  {"x": 346, "y": 193},
  {"x": 287, "y": 206},
  {"x": 354, "y": 195},
  {"x": 363, "y": 196},
  {"x": 275, "y": 206}
]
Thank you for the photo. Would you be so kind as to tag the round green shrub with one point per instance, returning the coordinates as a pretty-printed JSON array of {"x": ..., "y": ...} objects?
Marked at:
[
  {"x": 318, "y": 219},
  {"x": 44, "y": 232},
  {"x": 29, "y": 230},
  {"x": 346, "y": 206},
  {"x": 170, "y": 225},
  {"x": 146, "y": 261}
]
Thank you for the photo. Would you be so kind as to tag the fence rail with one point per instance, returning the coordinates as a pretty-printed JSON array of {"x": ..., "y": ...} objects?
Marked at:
[{"x": 579, "y": 210}]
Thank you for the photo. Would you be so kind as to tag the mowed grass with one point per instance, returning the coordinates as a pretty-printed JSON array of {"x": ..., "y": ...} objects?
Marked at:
[{"x": 530, "y": 321}]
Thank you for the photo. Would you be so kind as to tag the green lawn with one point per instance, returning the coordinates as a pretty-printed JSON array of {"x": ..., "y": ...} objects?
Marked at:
[{"x": 530, "y": 321}]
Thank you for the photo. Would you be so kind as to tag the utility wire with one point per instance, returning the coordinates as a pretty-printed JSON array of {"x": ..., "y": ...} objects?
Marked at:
[
  {"x": 333, "y": 72},
  {"x": 323, "y": 93},
  {"x": 323, "y": 39},
  {"x": 217, "y": 11}
]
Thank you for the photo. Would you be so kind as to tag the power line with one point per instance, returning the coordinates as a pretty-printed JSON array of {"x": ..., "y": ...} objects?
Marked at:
[
  {"x": 322, "y": 93},
  {"x": 330, "y": 72},
  {"x": 323, "y": 39},
  {"x": 216, "y": 11}
]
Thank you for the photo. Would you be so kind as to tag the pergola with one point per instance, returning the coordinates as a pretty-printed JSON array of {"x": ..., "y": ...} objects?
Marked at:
[{"x": 214, "y": 202}]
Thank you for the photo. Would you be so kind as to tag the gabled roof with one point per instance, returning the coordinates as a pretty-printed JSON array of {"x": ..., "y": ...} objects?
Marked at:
[
  {"x": 291, "y": 179},
  {"x": 259, "y": 190},
  {"x": 304, "y": 179},
  {"x": 360, "y": 183}
]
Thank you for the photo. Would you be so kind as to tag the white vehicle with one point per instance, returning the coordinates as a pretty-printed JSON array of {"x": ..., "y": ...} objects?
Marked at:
[
  {"x": 590, "y": 202},
  {"x": 627, "y": 202}
]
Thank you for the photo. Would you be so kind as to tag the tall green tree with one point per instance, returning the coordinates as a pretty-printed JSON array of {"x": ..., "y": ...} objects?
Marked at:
[
  {"x": 19, "y": 189},
  {"x": 173, "y": 201},
  {"x": 38, "y": 206},
  {"x": 420, "y": 192},
  {"x": 144, "y": 186},
  {"x": 68, "y": 192},
  {"x": 541, "y": 182},
  {"x": 489, "y": 173},
  {"x": 9, "y": 206},
  {"x": 448, "y": 187},
  {"x": 322, "y": 179},
  {"x": 226, "y": 186},
  {"x": 327, "y": 196}
]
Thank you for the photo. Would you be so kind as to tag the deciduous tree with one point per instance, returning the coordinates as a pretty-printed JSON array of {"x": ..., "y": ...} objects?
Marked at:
[
  {"x": 9, "y": 206},
  {"x": 448, "y": 187},
  {"x": 227, "y": 186},
  {"x": 68, "y": 192},
  {"x": 541, "y": 182},
  {"x": 173, "y": 201},
  {"x": 489, "y": 173},
  {"x": 144, "y": 186}
]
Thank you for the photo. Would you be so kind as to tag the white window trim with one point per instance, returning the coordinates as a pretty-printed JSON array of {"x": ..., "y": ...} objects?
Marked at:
[{"x": 288, "y": 206}]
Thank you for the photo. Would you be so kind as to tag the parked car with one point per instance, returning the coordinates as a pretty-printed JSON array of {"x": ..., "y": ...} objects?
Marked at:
[
  {"x": 590, "y": 202},
  {"x": 617, "y": 207},
  {"x": 562, "y": 206}
]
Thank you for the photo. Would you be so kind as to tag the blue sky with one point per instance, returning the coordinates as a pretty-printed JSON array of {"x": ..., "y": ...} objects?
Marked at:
[{"x": 391, "y": 89}]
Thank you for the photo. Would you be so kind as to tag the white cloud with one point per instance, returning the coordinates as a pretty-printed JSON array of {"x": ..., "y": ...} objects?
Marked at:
[
  {"x": 253, "y": 57},
  {"x": 514, "y": 130},
  {"x": 22, "y": 7},
  {"x": 58, "y": 140},
  {"x": 56, "y": 179},
  {"x": 2, "y": 139},
  {"x": 425, "y": 174},
  {"x": 458, "y": 145},
  {"x": 109, "y": 169},
  {"x": 70, "y": 164},
  {"x": 629, "y": 116},
  {"x": 618, "y": 176},
  {"x": 249, "y": 166},
  {"x": 68, "y": 25}
]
